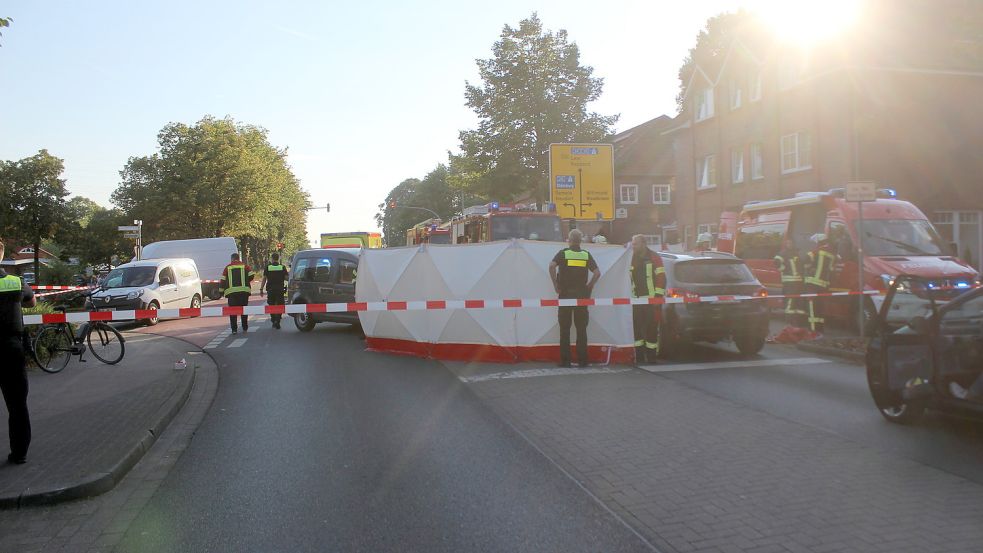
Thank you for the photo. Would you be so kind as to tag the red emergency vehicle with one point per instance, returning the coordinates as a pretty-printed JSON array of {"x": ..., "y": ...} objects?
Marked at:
[
  {"x": 430, "y": 231},
  {"x": 897, "y": 239},
  {"x": 491, "y": 222}
]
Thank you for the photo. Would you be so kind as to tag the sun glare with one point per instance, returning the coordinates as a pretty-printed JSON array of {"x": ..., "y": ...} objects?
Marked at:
[{"x": 808, "y": 21}]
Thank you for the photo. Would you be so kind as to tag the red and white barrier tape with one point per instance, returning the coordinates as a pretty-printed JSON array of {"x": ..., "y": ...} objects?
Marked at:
[
  {"x": 419, "y": 305},
  {"x": 65, "y": 290},
  {"x": 51, "y": 287}
]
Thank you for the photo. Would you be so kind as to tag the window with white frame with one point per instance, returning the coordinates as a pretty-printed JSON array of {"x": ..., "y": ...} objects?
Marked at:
[
  {"x": 629, "y": 193},
  {"x": 706, "y": 172},
  {"x": 736, "y": 93},
  {"x": 757, "y": 162},
  {"x": 754, "y": 86},
  {"x": 796, "y": 152},
  {"x": 653, "y": 239},
  {"x": 661, "y": 194},
  {"x": 704, "y": 104},
  {"x": 710, "y": 228},
  {"x": 737, "y": 165}
]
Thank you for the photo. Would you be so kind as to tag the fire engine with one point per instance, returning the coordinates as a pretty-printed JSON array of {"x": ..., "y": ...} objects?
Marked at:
[
  {"x": 492, "y": 221},
  {"x": 898, "y": 239},
  {"x": 430, "y": 231}
]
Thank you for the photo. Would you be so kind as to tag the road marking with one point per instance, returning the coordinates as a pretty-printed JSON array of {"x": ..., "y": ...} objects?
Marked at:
[
  {"x": 679, "y": 367},
  {"x": 536, "y": 373},
  {"x": 237, "y": 343}
]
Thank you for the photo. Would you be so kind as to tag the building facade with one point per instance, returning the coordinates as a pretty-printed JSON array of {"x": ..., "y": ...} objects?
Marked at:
[{"x": 767, "y": 124}]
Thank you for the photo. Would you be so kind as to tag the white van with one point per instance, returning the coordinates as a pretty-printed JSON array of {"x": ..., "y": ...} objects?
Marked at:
[
  {"x": 150, "y": 284},
  {"x": 211, "y": 255}
]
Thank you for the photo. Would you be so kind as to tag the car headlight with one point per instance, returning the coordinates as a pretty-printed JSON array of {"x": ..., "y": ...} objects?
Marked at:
[
  {"x": 134, "y": 294},
  {"x": 888, "y": 280}
]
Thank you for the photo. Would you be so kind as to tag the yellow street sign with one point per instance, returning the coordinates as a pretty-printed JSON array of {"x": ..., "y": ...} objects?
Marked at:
[{"x": 582, "y": 181}]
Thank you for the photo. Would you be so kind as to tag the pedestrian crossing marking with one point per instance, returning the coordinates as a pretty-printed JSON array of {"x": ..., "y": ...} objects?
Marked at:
[
  {"x": 238, "y": 342},
  {"x": 681, "y": 367}
]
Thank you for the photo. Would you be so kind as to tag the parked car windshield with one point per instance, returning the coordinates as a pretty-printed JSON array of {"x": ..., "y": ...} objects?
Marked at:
[
  {"x": 130, "y": 276},
  {"x": 530, "y": 228},
  {"x": 713, "y": 271},
  {"x": 901, "y": 237}
]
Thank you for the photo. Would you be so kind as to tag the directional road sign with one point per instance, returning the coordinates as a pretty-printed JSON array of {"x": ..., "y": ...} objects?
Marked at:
[
  {"x": 128, "y": 228},
  {"x": 582, "y": 181},
  {"x": 861, "y": 191}
]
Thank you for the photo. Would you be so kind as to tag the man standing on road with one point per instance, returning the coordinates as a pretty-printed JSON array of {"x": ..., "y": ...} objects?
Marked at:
[
  {"x": 648, "y": 280},
  {"x": 817, "y": 280},
  {"x": 275, "y": 284},
  {"x": 235, "y": 286},
  {"x": 789, "y": 265},
  {"x": 14, "y": 294},
  {"x": 568, "y": 270}
]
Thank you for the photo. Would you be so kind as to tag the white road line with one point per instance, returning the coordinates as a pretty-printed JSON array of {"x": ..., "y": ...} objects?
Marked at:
[
  {"x": 680, "y": 367},
  {"x": 237, "y": 343},
  {"x": 535, "y": 373}
]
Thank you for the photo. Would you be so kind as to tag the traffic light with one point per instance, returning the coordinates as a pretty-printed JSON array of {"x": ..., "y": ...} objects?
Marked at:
[{"x": 392, "y": 204}]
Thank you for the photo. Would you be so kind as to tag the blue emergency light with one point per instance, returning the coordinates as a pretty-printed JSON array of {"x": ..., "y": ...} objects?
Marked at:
[{"x": 494, "y": 205}]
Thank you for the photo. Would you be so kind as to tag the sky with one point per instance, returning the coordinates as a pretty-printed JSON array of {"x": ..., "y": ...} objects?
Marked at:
[{"x": 362, "y": 94}]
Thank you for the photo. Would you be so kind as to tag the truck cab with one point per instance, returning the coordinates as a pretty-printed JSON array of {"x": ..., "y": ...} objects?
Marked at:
[{"x": 897, "y": 239}]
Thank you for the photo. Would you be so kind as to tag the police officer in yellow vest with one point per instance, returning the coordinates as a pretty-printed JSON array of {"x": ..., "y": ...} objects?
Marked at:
[
  {"x": 275, "y": 284},
  {"x": 14, "y": 294},
  {"x": 235, "y": 286},
  {"x": 648, "y": 280},
  {"x": 789, "y": 265},
  {"x": 817, "y": 280},
  {"x": 568, "y": 270}
]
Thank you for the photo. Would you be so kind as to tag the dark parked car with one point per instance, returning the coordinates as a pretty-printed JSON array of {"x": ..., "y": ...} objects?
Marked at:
[
  {"x": 323, "y": 276},
  {"x": 712, "y": 274},
  {"x": 926, "y": 349}
]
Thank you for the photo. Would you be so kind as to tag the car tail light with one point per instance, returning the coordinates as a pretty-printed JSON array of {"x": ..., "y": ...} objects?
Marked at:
[
  {"x": 684, "y": 294},
  {"x": 761, "y": 293}
]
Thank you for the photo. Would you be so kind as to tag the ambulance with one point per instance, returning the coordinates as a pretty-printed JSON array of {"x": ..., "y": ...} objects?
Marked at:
[
  {"x": 897, "y": 239},
  {"x": 351, "y": 240}
]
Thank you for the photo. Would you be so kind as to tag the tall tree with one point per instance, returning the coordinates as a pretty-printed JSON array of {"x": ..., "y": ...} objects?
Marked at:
[
  {"x": 216, "y": 178},
  {"x": 34, "y": 199},
  {"x": 711, "y": 45},
  {"x": 5, "y": 22},
  {"x": 534, "y": 92}
]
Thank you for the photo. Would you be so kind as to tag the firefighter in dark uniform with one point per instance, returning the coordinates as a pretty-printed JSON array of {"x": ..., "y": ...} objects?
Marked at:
[
  {"x": 648, "y": 280},
  {"x": 789, "y": 264},
  {"x": 275, "y": 284},
  {"x": 235, "y": 286},
  {"x": 569, "y": 270},
  {"x": 819, "y": 271},
  {"x": 14, "y": 294}
]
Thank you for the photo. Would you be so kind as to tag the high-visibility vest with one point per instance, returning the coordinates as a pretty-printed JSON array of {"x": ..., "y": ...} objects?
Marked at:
[
  {"x": 651, "y": 271},
  {"x": 273, "y": 268},
  {"x": 788, "y": 265},
  {"x": 236, "y": 279},
  {"x": 576, "y": 259},
  {"x": 10, "y": 283},
  {"x": 822, "y": 267}
]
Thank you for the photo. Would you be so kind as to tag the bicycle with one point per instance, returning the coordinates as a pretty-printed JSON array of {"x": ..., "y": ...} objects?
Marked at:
[{"x": 55, "y": 344}]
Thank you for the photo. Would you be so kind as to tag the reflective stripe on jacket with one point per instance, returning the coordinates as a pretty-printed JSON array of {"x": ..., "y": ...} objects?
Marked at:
[
  {"x": 822, "y": 267},
  {"x": 10, "y": 283},
  {"x": 788, "y": 265},
  {"x": 655, "y": 279},
  {"x": 236, "y": 279},
  {"x": 576, "y": 259}
]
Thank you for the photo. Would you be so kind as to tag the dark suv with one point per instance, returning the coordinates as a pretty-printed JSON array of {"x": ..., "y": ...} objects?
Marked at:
[
  {"x": 692, "y": 275},
  {"x": 323, "y": 276}
]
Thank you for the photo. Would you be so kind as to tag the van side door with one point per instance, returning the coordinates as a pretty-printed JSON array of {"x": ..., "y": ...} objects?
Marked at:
[
  {"x": 170, "y": 294},
  {"x": 345, "y": 288},
  {"x": 322, "y": 279}
]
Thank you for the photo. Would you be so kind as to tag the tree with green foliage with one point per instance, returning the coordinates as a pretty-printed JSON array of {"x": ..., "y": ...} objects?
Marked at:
[
  {"x": 5, "y": 22},
  {"x": 33, "y": 195},
  {"x": 711, "y": 45},
  {"x": 215, "y": 178},
  {"x": 433, "y": 192},
  {"x": 534, "y": 92}
]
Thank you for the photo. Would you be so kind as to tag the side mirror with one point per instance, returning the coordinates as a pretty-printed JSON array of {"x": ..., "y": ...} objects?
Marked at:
[{"x": 919, "y": 324}]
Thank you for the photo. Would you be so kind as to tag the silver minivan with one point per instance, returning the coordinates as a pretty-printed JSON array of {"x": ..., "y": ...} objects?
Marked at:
[{"x": 150, "y": 284}]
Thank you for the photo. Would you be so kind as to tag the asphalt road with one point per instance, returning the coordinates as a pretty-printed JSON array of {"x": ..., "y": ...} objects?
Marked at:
[
  {"x": 833, "y": 397},
  {"x": 313, "y": 444}
]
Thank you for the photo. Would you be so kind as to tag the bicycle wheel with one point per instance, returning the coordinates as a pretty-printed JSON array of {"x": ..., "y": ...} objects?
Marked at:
[
  {"x": 53, "y": 347},
  {"x": 106, "y": 343}
]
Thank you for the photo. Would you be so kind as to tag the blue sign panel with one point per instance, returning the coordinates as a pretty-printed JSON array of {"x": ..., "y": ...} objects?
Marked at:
[
  {"x": 583, "y": 151},
  {"x": 564, "y": 181}
]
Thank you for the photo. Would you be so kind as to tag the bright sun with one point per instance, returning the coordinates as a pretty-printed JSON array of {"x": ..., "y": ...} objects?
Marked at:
[{"x": 807, "y": 22}]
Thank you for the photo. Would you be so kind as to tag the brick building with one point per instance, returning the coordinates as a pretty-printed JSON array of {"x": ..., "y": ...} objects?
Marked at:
[
  {"x": 644, "y": 182},
  {"x": 765, "y": 122}
]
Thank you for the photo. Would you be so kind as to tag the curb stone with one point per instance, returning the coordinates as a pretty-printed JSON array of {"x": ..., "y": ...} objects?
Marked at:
[{"x": 102, "y": 482}]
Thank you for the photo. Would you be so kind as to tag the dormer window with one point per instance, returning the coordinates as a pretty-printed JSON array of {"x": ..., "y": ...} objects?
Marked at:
[
  {"x": 704, "y": 104},
  {"x": 736, "y": 94}
]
